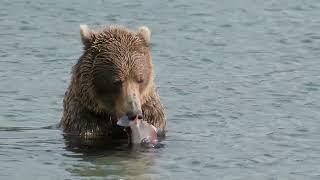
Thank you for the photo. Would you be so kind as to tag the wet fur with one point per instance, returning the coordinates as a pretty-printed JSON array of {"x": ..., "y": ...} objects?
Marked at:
[{"x": 83, "y": 113}]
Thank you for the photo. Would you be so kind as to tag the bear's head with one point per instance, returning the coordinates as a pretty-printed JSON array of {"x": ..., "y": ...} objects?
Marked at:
[{"x": 115, "y": 73}]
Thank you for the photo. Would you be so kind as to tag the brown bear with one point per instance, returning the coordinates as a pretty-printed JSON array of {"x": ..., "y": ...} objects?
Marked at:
[{"x": 113, "y": 78}]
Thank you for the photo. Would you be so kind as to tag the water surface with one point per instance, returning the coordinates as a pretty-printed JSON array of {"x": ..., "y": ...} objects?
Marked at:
[{"x": 240, "y": 81}]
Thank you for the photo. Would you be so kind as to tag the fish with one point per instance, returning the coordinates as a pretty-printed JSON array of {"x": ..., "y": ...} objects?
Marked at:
[{"x": 141, "y": 131}]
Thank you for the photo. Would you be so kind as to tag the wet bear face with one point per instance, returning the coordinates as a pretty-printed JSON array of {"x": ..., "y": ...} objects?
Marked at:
[{"x": 121, "y": 69}]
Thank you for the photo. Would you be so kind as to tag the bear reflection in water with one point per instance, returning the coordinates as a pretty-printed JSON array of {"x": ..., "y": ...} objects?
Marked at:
[{"x": 105, "y": 158}]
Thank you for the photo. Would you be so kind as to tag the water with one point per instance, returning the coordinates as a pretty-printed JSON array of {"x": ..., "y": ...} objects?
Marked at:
[{"x": 240, "y": 80}]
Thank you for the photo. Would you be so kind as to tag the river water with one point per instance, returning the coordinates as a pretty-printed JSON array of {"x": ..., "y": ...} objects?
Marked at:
[{"x": 240, "y": 81}]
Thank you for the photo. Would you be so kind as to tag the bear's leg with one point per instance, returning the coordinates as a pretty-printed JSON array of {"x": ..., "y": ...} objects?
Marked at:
[
  {"x": 79, "y": 120},
  {"x": 153, "y": 112}
]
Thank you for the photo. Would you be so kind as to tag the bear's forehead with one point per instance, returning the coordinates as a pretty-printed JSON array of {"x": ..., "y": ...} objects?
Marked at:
[
  {"x": 120, "y": 63},
  {"x": 119, "y": 38},
  {"x": 119, "y": 70},
  {"x": 120, "y": 51}
]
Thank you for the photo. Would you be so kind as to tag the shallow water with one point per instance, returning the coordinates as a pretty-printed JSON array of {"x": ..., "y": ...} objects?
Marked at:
[{"x": 240, "y": 81}]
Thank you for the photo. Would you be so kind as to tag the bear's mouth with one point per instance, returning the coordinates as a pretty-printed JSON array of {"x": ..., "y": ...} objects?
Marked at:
[{"x": 123, "y": 121}]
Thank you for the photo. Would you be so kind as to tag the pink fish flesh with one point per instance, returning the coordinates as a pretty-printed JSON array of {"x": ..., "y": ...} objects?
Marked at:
[{"x": 141, "y": 131}]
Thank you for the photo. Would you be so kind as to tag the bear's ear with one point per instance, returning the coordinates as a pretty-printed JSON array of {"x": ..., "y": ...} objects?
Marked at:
[
  {"x": 145, "y": 33},
  {"x": 86, "y": 34}
]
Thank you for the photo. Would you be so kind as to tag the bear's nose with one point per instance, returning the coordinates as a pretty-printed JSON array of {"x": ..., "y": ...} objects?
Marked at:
[{"x": 133, "y": 116}]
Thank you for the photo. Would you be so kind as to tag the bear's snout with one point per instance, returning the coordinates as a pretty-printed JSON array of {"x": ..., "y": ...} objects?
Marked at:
[
  {"x": 129, "y": 104},
  {"x": 133, "y": 116},
  {"x": 133, "y": 108}
]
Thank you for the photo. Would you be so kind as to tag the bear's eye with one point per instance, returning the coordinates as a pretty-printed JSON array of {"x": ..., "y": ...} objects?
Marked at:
[
  {"x": 117, "y": 83},
  {"x": 140, "y": 81}
]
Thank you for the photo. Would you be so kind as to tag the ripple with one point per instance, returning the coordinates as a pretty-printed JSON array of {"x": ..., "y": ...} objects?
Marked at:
[
  {"x": 310, "y": 86},
  {"x": 315, "y": 37},
  {"x": 307, "y": 41},
  {"x": 27, "y": 99},
  {"x": 226, "y": 25},
  {"x": 240, "y": 82},
  {"x": 200, "y": 14},
  {"x": 8, "y": 92},
  {"x": 207, "y": 60},
  {"x": 28, "y": 28}
]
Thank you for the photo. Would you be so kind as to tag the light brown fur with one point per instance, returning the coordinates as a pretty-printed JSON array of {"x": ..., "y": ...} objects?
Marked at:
[{"x": 114, "y": 76}]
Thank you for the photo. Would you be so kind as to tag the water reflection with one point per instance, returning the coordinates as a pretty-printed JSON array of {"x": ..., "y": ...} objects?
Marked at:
[{"x": 104, "y": 158}]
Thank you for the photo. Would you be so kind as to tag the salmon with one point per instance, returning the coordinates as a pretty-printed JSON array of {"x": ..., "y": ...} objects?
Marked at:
[{"x": 141, "y": 132}]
